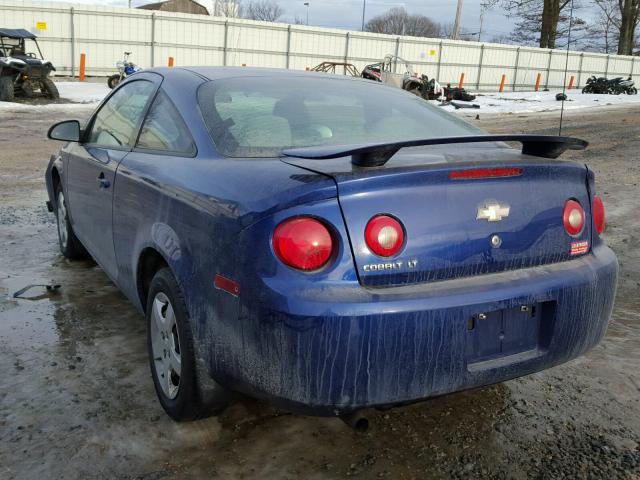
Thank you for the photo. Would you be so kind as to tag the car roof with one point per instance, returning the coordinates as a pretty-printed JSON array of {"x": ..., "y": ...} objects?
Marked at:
[
  {"x": 219, "y": 73},
  {"x": 16, "y": 33}
]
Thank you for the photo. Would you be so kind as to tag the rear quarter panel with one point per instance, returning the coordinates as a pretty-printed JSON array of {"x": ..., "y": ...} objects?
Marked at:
[{"x": 192, "y": 210}]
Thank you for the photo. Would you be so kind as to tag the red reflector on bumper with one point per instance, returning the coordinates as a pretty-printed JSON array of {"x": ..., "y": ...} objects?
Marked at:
[
  {"x": 478, "y": 173},
  {"x": 226, "y": 284}
]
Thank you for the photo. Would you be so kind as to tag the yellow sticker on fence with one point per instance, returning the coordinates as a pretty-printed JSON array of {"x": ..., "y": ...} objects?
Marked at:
[
  {"x": 41, "y": 25},
  {"x": 432, "y": 53}
]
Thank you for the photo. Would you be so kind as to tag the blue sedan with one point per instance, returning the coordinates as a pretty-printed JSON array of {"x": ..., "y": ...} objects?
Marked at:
[{"x": 329, "y": 244}]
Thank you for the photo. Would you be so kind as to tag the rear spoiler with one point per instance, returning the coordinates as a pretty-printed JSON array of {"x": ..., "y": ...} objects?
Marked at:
[{"x": 377, "y": 154}]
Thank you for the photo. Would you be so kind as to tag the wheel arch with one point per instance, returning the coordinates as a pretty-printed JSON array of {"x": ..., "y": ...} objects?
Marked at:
[
  {"x": 54, "y": 177},
  {"x": 150, "y": 261}
]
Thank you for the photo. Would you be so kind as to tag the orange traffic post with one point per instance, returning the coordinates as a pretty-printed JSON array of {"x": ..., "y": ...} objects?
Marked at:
[
  {"x": 171, "y": 61},
  {"x": 461, "y": 84},
  {"x": 571, "y": 82},
  {"x": 538, "y": 78},
  {"x": 83, "y": 62},
  {"x": 504, "y": 77}
]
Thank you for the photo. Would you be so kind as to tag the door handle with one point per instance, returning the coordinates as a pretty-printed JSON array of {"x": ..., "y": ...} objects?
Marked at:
[{"x": 103, "y": 182}]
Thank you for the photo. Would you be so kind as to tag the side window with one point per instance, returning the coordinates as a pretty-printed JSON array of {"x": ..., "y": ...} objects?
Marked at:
[
  {"x": 115, "y": 123},
  {"x": 164, "y": 129}
]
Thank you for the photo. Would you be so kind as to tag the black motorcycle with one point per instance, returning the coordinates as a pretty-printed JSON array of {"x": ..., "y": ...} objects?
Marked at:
[
  {"x": 615, "y": 86},
  {"x": 624, "y": 86}
]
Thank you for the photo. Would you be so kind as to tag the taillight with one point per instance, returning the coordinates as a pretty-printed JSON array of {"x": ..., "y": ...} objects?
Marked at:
[
  {"x": 573, "y": 217},
  {"x": 303, "y": 243},
  {"x": 598, "y": 214},
  {"x": 384, "y": 235}
]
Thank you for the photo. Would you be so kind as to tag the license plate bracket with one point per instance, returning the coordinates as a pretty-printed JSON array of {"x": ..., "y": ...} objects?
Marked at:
[{"x": 504, "y": 332}]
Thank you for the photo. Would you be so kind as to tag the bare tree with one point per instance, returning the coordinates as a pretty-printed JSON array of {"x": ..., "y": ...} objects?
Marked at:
[
  {"x": 604, "y": 29},
  {"x": 264, "y": 10},
  {"x": 542, "y": 22},
  {"x": 614, "y": 29},
  {"x": 549, "y": 25},
  {"x": 397, "y": 21},
  {"x": 227, "y": 8},
  {"x": 629, "y": 17},
  {"x": 502, "y": 38},
  {"x": 446, "y": 30}
]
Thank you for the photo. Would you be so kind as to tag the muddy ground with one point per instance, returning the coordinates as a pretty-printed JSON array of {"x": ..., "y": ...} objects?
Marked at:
[{"x": 77, "y": 399}]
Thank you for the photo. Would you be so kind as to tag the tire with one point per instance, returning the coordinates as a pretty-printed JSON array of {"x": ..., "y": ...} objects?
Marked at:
[
  {"x": 49, "y": 89},
  {"x": 27, "y": 90},
  {"x": 69, "y": 244},
  {"x": 467, "y": 97},
  {"x": 113, "y": 81},
  {"x": 6, "y": 89},
  {"x": 632, "y": 91},
  {"x": 182, "y": 389},
  {"x": 412, "y": 87}
]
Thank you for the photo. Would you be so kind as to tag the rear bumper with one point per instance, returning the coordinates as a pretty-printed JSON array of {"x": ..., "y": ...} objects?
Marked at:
[{"x": 332, "y": 351}]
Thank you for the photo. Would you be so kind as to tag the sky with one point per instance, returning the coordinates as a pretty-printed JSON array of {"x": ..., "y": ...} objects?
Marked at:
[{"x": 348, "y": 13}]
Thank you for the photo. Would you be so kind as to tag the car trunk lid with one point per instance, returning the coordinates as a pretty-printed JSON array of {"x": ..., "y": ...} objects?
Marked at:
[{"x": 457, "y": 227}]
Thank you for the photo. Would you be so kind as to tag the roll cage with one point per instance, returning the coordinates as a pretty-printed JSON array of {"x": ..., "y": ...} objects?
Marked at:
[{"x": 12, "y": 43}]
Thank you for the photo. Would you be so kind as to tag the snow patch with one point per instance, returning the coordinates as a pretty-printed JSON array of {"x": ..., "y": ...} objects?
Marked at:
[
  {"x": 530, "y": 102},
  {"x": 83, "y": 92},
  {"x": 78, "y": 96}
]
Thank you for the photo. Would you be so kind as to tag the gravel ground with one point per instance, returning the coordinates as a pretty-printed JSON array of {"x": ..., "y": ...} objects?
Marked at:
[{"x": 77, "y": 400}]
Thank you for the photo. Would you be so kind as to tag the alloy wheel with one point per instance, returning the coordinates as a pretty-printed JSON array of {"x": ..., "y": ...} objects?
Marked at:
[
  {"x": 62, "y": 221},
  {"x": 165, "y": 345}
]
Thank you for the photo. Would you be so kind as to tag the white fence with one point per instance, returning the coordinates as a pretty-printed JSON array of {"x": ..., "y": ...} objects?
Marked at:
[{"x": 103, "y": 34}]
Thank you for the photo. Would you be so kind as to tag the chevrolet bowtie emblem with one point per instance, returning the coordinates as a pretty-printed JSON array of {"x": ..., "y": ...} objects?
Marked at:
[{"x": 492, "y": 212}]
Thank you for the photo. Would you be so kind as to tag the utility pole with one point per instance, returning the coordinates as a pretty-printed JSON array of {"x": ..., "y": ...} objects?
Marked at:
[
  {"x": 364, "y": 7},
  {"x": 456, "y": 23},
  {"x": 306, "y": 4},
  {"x": 481, "y": 22}
]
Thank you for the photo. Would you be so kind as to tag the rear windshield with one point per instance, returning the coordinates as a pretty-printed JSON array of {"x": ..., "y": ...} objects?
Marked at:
[{"x": 261, "y": 116}]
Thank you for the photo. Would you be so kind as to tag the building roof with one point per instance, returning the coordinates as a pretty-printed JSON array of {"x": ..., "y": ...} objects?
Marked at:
[
  {"x": 175, "y": 3},
  {"x": 152, "y": 6}
]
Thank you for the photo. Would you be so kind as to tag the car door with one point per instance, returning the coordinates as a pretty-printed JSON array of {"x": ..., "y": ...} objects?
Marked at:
[
  {"x": 149, "y": 205},
  {"x": 91, "y": 167}
]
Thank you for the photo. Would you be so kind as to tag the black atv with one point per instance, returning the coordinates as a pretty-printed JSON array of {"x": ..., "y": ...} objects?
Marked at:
[{"x": 23, "y": 73}]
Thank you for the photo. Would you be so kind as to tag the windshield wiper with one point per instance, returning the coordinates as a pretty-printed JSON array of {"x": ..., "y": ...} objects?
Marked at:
[{"x": 377, "y": 154}]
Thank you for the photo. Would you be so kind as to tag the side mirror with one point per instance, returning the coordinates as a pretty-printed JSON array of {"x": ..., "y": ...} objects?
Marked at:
[{"x": 67, "y": 131}]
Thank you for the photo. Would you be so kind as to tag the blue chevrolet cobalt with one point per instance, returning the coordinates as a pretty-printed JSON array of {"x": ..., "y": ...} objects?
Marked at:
[{"x": 329, "y": 244}]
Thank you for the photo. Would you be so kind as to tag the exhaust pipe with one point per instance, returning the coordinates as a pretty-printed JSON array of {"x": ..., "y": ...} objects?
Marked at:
[{"x": 358, "y": 421}]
